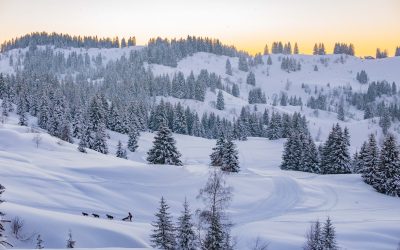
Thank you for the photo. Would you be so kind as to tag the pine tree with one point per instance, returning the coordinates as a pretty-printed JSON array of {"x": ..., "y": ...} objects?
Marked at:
[
  {"x": 309, "y": 157},
  {"x": 388, "y": 173},
  {"x": 329, "y": 236},
  {"x": 164, "y": 150},
  {"x": 163, "y": 235},
  {"x": 186, "y": 237},
  {"x": 314, "y": 238},
  {"x": 243, "y": 66},
  {"x": 251, "y": 79},
  {"x": 70, "y": 241},
  {"x": 214, "y": 239},
  {"x": 230, "y": 158},
  {"x": 218, "y": 152},
  {"x": 296, "y": 49},
  {"x": 228, "y": 67},
  {"x": 235, "y": 90},
  {"x": 335, "y": 158},
  {"x": 133, "y": 139},
  {"x": 179, "y": 120},
  {"x": 100, "y": 143},
  {"x": 121, "y": 152},
  {"x": 369, "y": 160},
  {"x": 220, "y": 101},
  {"x": 3, "y": 241},
  {"x": 340, "y": 114},
  {"x": 39, "y": 242},
  {"x": 384, "y": 121},
  {"x": 266, "y": 50},
  {"x": 274, "y": 130},
  {"x": 269, "y": 60}
]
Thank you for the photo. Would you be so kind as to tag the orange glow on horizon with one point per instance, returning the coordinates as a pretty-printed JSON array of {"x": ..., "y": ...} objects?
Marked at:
[{"x": 248, "y": 25}]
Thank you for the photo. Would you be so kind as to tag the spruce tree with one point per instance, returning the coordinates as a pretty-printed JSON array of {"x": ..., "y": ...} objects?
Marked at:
[
  {"x": 186, "y": 237},
  {"x": 218, "y": 152},
  {"x": 387, "y": 178},
  {"x": 251, "y": 79},
  {"x": 3, "y": 241},
  {"x": 163, "y": 235},
  {"x": 335, "y": 158},
  {"x": 314, "y": 238},
  {"x": 269, "y": 60},
  {"x": 369, "y": 160},
  {"x": 340, "y": 114},
  {"x": 179, "y": 120},
  {"x": 230, "y": 158},
  {"x": 164, "y": 150},
  {"x": 243, "y": 66},
  {"x": 133, "y": 139},
  {"x": 329, "y": 236},
  {"x": 121, "y": 151},
  {"x": 220, "y": 101},
  {"x": 228, "y": 67}
]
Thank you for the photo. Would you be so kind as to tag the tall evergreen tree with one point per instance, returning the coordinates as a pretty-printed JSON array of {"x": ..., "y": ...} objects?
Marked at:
[
  {"x": 387, "y": 178},
  {"x": 220, "y": 101},
  {"x": 329, "y": 236},
  {"x": 251, "y": 79},
  {"x": 3, "y": 241},
  {"x": 186, "y": 236},
  {"x": 121, "y": 151},
  {"x": 163, "y": 235},
  {"x": 133, "y": 139},
  {"x": 230, "y": 158},
  {"x": 314, "y": 238},
  {"x": 218, "y": 152},
  {"x": 228, "y": 67},
  {"x": 164, "y": 150},
  {"x": 369, "y": 160},
  {"x": 335, "y": 158}
]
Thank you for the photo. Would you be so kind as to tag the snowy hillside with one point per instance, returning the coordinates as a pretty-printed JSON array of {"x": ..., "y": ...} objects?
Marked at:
[{"x": 49, "y": 185}]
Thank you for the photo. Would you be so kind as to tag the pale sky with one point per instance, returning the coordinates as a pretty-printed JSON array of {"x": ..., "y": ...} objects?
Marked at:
[{"x": 248, "y": 24}]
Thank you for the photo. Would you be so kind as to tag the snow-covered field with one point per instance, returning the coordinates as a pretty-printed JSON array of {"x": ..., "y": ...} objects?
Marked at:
[{"x": 48, "y": 187}]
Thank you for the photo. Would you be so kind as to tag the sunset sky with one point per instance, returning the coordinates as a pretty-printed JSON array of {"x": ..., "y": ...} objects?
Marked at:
[{"x": 248, "y": 25}]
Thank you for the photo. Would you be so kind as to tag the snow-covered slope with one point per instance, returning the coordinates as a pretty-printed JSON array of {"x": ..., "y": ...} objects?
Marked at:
[{"x": 48, "y": 187}]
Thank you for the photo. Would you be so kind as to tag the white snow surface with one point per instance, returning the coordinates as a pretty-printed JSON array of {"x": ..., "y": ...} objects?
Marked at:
[{"x": 48, "y": 187}]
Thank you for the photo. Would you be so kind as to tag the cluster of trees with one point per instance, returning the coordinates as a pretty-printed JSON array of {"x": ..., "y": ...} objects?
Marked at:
[
  {"x": 343, "y": 48},
  {"x": 64, "y": 40},
  {"x": 381, "y": 54},
  {"x": 292, "y": 100},
  {"x": 362, "y": 77},
  {"x": 212, "y": 230},
  {"x": 333, "y": 157},
  {"x": 169, "y": 52},
  {"x": 251, "y": 79},
  {"x": 397, "y": 51},
  {"x": 257, "y": 96},
  {"x": 289, "y": 64},
  {"x": 319, "y": 49},
  {"x": 321, "y": 237},
  {"x": 280, "y": 48},
  {"x": 225, "y": 155},
  {"x": 380, "y": 168}
]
